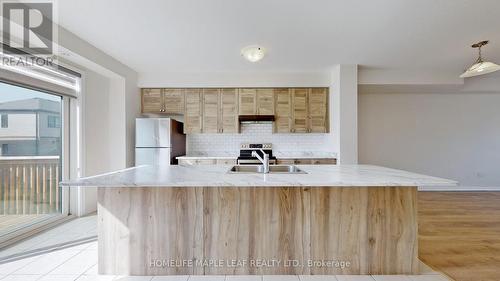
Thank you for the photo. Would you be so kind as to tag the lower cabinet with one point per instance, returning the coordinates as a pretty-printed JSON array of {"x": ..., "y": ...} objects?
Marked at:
[
  {"x": 227, "y": 161},
  {"x": 205, "y": 161},
  {"x": 308, "y": 161}
]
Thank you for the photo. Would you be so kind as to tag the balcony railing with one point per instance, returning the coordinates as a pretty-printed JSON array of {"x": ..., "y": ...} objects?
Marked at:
[{"x": 29, "y": 185}]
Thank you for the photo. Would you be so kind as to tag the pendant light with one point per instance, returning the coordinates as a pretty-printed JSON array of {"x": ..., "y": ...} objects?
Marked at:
[{"x": 480, "y": 67}]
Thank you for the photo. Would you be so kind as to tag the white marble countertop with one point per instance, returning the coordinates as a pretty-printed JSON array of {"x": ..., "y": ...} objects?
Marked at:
[
  {"x": 194, "y": 157},
  {"x": 205, "y": 155},
  {"x": 217, "y": 175}
]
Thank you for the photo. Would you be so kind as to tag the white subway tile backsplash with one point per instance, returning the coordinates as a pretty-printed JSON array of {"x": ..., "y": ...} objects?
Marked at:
[{"x": 213, "y": 144}]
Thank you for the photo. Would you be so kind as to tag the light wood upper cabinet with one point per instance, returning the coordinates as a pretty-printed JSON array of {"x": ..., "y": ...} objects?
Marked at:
[
  {"x": 247, "y": 101},
  {"x": 318, "y": 110},
  {"x": 229, "y": 111},
  {"x": 211, "y": 111},
  {"x": 167, "y": 101},
  {"x": 193, "y": 111},
  {"x": 256, "y": 102},
  {"x": 173, "y": 101},
  {"x": 265, "y": 102},
  {"x": 151, "y": 101},
  {"x": 283, "y": 111},
  {"x": 300, "y": 110},
  {"x": 296, "y": 110}
]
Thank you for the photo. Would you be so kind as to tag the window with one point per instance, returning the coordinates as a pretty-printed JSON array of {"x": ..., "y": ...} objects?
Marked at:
[
  {"x": 5, "y": 149},
  {"x": 5, "y": 120},
  {"x": 53, "y": 121},
  {"x": 42, "y": 113},
  {"x": 33, "y": 144}
]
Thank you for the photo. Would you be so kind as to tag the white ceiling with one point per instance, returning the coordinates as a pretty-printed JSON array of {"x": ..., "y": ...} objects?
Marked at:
[{"x": 416, "y": 38}]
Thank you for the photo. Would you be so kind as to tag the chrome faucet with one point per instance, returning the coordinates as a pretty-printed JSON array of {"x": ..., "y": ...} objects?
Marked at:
[{"x": 264, "y": 160}]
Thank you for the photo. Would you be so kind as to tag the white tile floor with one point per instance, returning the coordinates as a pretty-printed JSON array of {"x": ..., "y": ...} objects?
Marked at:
[
  {"x": 80, "y": 263},
  {"x": 79, "y": 229}
]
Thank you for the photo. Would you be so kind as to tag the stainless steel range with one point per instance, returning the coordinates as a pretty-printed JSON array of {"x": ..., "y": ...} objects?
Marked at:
[{"x": 246, "y": 150}]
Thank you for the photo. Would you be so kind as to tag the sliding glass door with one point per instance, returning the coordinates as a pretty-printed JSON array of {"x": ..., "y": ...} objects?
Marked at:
[{"x": 31, "y": 157}]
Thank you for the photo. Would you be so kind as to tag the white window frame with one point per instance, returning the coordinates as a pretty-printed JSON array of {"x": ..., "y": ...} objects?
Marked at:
[{"x": 67, "y": 123}]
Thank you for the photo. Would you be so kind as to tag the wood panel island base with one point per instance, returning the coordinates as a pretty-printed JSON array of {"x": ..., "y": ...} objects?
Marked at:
[
  {"x": 257, "y": 230},
  {"x": 335, "y": 219}
]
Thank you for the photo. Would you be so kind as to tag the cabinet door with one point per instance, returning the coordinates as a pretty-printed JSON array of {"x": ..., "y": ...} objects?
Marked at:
[
  {"x": 283, "y": 111},
  {"x": 229, "y": 111},
  {"x": 303, "y": 161},
  {"x": 324, "y": 161},
  {"x": 299, "y": 101},
  {"x": 265, "y": 102},
  {"x": 318, "y": 110},
  {"x": 286, "y": 161},
  {"x": 151, "y": 100},
  {"x": 192, "y": 115},
  {"x": 173, "y": 101},
  {"x": 247, "y": 101},
  {"x": 211, "y": 111}
]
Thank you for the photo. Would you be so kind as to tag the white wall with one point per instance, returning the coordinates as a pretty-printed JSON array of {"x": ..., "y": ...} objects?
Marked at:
[
  {"x": 96, "y": 121},
  {"x": 343, "y": 113},
  {"x": 111, "y": 101},
  {"x": 453, "y": 135},
  {"x": 125, "y": 105},
  {"x": 235, "y": 79}
]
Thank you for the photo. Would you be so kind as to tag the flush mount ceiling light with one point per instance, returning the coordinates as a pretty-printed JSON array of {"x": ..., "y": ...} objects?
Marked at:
[
  {"x": 480, "y": 67},
  {"x": 253, "y": 53}
]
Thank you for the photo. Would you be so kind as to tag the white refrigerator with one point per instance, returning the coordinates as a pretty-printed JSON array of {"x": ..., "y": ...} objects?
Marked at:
[{"x": 158, "y": 141}]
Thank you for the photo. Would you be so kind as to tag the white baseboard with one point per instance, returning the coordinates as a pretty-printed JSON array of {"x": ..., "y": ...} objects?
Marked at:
[{"x": 459, "y": 188}]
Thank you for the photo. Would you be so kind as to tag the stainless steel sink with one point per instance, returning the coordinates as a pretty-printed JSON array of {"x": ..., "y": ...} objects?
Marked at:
[{"x": 273, "y": 169}]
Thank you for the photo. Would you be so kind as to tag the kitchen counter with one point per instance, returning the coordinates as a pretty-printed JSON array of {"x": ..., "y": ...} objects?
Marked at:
[
  {"x": 200, "y": 220},
  {"x": 190, "y": 157},
  {"x": 217, "y": 176},
  {"x": 202, "y": 155}
]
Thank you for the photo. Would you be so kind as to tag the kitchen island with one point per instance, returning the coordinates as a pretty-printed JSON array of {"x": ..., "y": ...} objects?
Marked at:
[{"x": 336, "y": 219}]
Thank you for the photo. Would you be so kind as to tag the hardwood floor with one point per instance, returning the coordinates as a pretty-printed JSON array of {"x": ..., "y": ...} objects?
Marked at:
[{"x": 459, "y": 234}]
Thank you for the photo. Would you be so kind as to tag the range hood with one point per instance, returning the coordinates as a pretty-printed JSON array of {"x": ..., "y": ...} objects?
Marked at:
[{"x": 256, "y": 118}]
